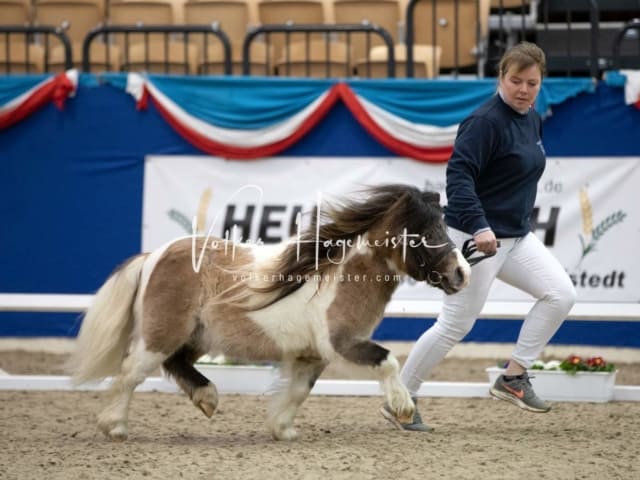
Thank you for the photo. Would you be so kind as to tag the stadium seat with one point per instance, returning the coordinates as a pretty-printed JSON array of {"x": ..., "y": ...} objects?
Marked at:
[
  {"x": 287, "y": 11},
  {"x": 173, "y": 57},
  {"x": 497, "y": 4},
  {"x": 318, "y": 59},
  {"x": 232, "y": 15},
  {"x": 383, "y": 13},
  {"x": 22, "y": 57},
  {"x": 15, "y": 12},
  {"x": 426, "y": 62},
  {"x": 260, "y": 62},
  {"x": 233, "y": 18},
  {"x": 155, "y": 52},
  {"x": 77, "y": 18},
  {"x": 470, "y": 53}
]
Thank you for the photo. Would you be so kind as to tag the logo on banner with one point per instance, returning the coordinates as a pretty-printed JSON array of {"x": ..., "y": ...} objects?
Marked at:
[
  {"x": 270, "y": 228},
  {"x": 589, "y": 239},
  {"x": 591, "y": 235}
]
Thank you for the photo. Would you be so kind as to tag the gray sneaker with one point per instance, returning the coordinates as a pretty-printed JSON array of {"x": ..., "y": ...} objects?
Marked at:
[
  {"x": 520, "y": 392},
  {"x": 416, "y": 424}
]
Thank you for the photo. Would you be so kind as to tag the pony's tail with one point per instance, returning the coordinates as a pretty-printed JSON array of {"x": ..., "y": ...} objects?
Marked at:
[{"x": 107, "y": 325}]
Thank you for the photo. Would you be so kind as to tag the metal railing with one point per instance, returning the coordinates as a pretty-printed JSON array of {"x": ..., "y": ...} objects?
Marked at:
[
  {"x": 7, "y": 31},
  {"x": 509, "y": 23},
  {"x": 166, "y": 32},
  {"x": 308, "y": 30},
  {"x": 573, "y": 58},
  {"x": 616, "y": 58}
]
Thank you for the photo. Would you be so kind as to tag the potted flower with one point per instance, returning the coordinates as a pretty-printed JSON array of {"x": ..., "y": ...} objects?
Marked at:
[
  {"x": 574, "y": 379},
  {"x": 574, "y": 364},
  {"x": 230, "y": 376}
]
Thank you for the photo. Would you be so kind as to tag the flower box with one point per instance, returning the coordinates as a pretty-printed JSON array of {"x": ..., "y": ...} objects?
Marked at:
[
  {"x": 242, "y": 379},
  {"x": 560, "y": 386}
]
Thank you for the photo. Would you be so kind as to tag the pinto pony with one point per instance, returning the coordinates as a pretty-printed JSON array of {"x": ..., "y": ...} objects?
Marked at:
[{"x": 301, "y": 303}]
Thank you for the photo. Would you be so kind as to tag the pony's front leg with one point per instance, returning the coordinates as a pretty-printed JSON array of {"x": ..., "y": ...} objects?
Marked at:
[
  {"x": 112, "y": 421},
  {"x": 386, "y": 368},
  {"x": 297, "y": 379}
]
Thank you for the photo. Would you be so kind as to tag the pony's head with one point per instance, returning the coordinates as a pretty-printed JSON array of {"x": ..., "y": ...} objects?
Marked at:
[
  {"x": 401, "y": 225},
  {"x": 421, "y": 248}
]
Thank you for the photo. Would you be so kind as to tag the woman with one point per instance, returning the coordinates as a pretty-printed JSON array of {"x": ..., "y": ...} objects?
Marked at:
[{"x": 492, "y": 179}]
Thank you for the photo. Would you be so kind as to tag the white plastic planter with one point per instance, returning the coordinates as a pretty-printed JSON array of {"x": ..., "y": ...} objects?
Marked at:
[
  {"x": 560, "y": 386},
  {"x": 241, "y": 379}
]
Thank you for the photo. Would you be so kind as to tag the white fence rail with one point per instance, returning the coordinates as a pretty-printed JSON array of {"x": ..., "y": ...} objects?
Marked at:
[
  {"x": 425, "y": 309},
  {"x": 27, "y": 302}
]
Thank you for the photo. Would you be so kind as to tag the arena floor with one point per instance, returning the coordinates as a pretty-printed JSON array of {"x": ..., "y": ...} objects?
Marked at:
[{"x": 53, "y": 434}]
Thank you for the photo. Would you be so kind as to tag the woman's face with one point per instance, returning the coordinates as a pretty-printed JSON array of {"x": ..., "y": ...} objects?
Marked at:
[{"x": 520, "y": 88}]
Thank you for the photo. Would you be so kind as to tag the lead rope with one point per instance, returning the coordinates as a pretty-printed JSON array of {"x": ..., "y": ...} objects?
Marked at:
[{"x": 469, "y": 248}]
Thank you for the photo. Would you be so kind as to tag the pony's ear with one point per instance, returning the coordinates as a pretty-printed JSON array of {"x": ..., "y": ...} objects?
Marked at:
[{"x": 429, "y": 197}]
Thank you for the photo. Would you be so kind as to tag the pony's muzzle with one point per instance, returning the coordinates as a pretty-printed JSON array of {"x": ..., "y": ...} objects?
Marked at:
[{"x": 455, "y": 276}]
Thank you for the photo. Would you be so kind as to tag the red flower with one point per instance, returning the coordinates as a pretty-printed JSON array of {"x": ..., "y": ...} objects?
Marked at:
[
  {"x": 596, "y": 362},
  {"x": 574, "y": 359},
  {"x": 574, "y": 364}
]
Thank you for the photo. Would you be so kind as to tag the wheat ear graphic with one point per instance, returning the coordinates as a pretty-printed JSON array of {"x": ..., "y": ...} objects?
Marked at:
[
  {"x": 203, "y": 207},
  {"x": 181, "y": 219},
  {"x": 589, "y": 244},
  {"x": 586, "y": 210},
  {"x": 201, "y": 216}
]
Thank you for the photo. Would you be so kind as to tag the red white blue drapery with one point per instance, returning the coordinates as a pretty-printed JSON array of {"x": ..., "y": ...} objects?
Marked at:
[
  {"x": 235, "y": 138},
  {"x": 630, "y": 79},
  {"x": 250, "y": 118},
  {"x": 23, "y": 95},
  {"x": 254, "y": 117}
]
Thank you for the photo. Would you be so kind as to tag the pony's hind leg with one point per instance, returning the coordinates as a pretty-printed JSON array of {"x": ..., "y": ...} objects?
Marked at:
[
  {"x": 139, "y": 364},
  {"x": 298, "y": 378},
  {"x": 200, "y": 390},
  {"x": 386, "y": 367}
]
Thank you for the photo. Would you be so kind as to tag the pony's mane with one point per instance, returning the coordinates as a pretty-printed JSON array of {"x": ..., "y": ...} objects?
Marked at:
[{"x": 400, "y": 206}]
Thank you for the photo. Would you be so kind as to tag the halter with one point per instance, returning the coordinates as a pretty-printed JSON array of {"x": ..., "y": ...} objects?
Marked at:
[{"x": 434, "y": 277}]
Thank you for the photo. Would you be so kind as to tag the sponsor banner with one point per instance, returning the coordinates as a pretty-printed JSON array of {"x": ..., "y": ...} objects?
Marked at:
[{"x": 587, "y": 211}]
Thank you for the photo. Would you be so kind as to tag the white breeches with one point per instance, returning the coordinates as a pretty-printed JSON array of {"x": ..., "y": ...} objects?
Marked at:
[{"x": 524, "y": 263}]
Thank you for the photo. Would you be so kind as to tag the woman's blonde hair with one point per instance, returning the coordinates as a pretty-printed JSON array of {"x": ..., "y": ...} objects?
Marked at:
[{"x": 522, "y": 55}]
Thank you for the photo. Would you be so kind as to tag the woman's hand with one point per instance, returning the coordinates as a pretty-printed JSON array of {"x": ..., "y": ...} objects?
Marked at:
[{"x": 486, "y": 242}]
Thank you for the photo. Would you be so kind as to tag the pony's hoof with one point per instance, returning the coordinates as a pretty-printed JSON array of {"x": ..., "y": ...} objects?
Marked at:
[
  {"x": 287, "y": 434},
  {"x": 207, "y": 408},
  {"x": 404, "y": 410},
  {"x": 206, "y": 399},
  {"x": 119, "y": 433},
  {"x": 115, "y": 432}
]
